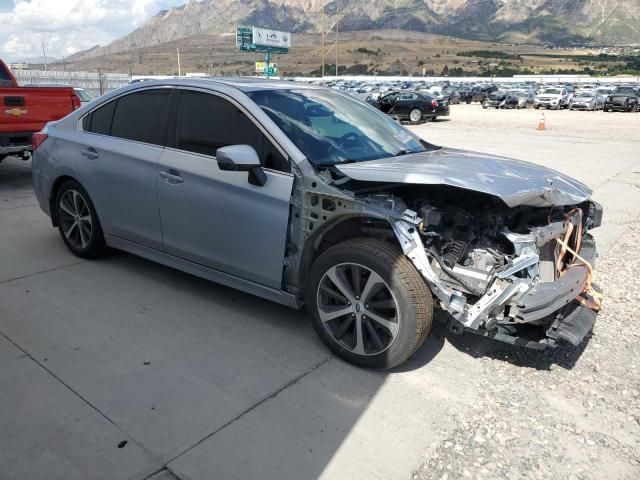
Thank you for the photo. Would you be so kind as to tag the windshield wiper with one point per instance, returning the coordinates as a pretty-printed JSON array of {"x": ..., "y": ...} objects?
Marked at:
[{"x": 404, "y": 151}]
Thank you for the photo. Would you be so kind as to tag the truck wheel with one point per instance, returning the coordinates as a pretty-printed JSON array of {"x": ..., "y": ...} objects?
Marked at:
[
  {"x": 369, "y": 304},
  {"x": 78, "y": 222}
]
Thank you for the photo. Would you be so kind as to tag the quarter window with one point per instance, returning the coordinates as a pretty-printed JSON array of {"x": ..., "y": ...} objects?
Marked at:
[
  {"x": 206, "y": 122},
  {"x": 99, "y": 121}
]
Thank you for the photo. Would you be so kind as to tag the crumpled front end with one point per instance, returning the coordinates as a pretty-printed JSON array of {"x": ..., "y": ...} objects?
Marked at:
[{"x": 519, "y": 275}]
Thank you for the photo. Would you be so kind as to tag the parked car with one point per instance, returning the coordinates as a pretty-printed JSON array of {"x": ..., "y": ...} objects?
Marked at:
[
  {"x": 495, "y": 99},
  {"x": 305, "y": 195},
  {"x": 520, "y": 99},
  {"x": 625, "y": 99},
  {"x": 552, "y": 98},
  {"x": 451, "y": 95},
  {"x": 465, "y": 94},
  {"x": 587, "y": 101},
  {"x": 479, "y": 94},
  {"x": 412, "y": 106},
  {"x": 26, "y": 110}
]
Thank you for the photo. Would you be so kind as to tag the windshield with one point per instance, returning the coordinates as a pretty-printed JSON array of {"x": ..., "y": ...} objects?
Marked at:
[
  {"x": 552, "y": 91},
  {"x": 330, "y": 128}
]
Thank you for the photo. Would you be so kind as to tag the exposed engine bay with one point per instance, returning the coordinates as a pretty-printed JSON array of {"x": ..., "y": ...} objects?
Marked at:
[{"x": 498, "y": 270}]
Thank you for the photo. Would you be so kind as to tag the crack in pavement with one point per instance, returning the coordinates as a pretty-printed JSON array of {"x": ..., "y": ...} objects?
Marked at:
[
  {"x": 253, "y": 407},
  {"x": 41, "y": 271},
  {"x": 18, "y": 206},
  {"x": 77, "y": 394}
]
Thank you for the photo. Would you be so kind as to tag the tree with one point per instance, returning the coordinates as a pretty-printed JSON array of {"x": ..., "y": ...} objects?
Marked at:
[{"x": 445, "y": 71}]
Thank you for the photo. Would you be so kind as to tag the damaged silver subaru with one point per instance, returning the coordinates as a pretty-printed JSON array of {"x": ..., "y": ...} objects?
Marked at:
[{"x": 306, "y": 196}]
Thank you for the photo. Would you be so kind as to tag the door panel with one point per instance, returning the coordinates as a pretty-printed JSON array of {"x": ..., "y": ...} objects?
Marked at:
[
  {"x": 117, "y": 163},
  {"x": 121, "y": 181},
  {"x": 216, "y": 218}
]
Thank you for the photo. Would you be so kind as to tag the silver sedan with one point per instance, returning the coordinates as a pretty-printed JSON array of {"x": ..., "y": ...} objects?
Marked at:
[{"x": 305, "y": 195}]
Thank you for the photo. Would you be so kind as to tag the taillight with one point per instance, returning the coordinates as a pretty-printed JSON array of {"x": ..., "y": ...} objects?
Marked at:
[
  {"x": 75, "y": 101},
  {"x": 37, "y": 139},
  {"x": 434, "y": 103}
]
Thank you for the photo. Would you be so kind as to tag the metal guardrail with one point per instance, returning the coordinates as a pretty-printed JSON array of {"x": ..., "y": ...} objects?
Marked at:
[{"x": 97, "y": 83}]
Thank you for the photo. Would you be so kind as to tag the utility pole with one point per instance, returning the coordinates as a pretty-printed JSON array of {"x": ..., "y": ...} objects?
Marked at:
[
  {"x": 179, "y": 70},
  {"x": 323, "y": 46},
  {"x": 44, "y": 56},
  {"x": 337, "y": 36}
]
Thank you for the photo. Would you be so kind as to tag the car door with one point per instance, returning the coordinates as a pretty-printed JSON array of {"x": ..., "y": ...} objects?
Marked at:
[
  {"x": 404, "y": 103},
  {"x": 117, "y": 161},
  {"x": 387, "y": 102},
  {"x": 215, "y": 217}
]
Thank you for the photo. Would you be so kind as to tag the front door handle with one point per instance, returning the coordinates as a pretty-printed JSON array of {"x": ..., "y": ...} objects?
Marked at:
[
  {"x": 171, "y": 176},
  {"x": 90, "y": 153}
]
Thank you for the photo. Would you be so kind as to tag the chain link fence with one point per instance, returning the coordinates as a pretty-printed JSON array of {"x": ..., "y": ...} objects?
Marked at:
[{"x": 97, "y": 83}]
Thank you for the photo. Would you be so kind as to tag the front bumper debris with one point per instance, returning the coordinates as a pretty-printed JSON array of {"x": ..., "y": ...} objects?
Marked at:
[{"x": 528, "y": 303}]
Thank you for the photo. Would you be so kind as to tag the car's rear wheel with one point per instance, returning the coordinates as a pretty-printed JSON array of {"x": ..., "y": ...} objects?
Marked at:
[
  {"x": 415, "y": 115},
  {"x": 368, "y": 303},
  {"x": 78, "y": 222}
]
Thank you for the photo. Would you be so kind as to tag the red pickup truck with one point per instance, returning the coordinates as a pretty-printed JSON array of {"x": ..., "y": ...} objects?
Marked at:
[{"x": 25, "y": 110}]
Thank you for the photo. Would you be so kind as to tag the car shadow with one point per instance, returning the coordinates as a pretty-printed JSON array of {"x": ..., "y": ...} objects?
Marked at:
[{"x": 563, "y": 355}]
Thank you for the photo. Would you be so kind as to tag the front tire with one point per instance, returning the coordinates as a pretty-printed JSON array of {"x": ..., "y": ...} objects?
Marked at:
[
  {"x": 78, "y": 221},
  {"x": 368, "y": 303}
]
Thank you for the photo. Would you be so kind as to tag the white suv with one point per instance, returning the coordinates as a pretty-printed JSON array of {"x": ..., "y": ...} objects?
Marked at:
[{"x": 554, "y": 98}]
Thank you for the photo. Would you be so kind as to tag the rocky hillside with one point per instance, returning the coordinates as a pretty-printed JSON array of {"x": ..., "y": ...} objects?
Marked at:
[{"x": 546, "y": 21}]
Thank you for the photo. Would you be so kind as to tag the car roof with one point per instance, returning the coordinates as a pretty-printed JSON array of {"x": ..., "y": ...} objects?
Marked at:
[{"x": 244, "y": 84}]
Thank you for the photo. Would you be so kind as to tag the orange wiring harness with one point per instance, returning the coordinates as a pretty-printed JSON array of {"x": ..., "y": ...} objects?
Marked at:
[{"x": 589, "y": 296}]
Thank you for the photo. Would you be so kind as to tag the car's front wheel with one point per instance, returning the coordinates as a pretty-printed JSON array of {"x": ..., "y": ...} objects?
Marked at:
[
  {"x": 77, "y": 221},
  {"x": 368, "y": 303}
]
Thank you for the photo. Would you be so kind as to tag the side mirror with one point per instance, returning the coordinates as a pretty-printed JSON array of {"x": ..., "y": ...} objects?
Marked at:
[{"x": 242, "y": 158}]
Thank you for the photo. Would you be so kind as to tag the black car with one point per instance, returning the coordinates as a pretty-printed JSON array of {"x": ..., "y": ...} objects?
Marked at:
[
  {"x": 623, "y": 99},
  {"x": 465, "y": 94},
  {"x": 412, "y": 106}
]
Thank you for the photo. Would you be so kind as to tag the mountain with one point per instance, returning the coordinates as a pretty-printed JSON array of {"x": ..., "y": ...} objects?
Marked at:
[{"x": 560, "y": 22}]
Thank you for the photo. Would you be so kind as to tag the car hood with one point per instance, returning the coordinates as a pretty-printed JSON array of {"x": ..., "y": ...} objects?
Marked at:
[{"x": 514, "y": 181}]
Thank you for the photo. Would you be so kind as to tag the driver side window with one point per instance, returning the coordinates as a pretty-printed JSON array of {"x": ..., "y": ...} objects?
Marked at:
[{"x": 206, "y": 122}]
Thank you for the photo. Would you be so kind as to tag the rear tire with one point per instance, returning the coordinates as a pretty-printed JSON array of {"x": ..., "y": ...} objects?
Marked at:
[
  {"x": 78, "y": 221},
  {"x": 415, "y": 115},
  {"x": 384, "y": 306}
]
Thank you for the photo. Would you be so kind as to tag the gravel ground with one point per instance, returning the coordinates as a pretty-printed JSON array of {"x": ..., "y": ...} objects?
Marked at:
[{"x": 570, "y": 413}]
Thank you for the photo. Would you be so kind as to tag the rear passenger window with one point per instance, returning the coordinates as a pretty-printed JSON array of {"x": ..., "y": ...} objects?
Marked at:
[
  {"x": 99, "y": 121},
  {"x": 142, "y": 116},
  {"x": 206, "y": 122}
]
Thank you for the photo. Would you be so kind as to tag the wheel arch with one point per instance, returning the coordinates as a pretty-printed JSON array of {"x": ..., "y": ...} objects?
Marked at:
[
  {"x": 338, "y": 230},
  {"x": 55, "y": 188}
]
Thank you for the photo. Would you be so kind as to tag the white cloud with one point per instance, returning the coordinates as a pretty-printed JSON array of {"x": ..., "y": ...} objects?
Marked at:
[{"x": 68, "y": 26}]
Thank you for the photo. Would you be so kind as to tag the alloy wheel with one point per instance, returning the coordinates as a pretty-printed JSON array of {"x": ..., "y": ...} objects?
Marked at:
[
  {"x": 75, "y": 219},
  {"x": 358, "y": 309},
  {"x": 415, "y": 115}
]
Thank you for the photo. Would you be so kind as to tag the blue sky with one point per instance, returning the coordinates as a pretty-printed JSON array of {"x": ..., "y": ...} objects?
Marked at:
[
  {"x": 68, "y": 26},
  {"x": 6, "y": 5}
]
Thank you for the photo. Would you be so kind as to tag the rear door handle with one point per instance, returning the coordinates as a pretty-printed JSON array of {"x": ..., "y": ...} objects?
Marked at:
[
  {"x": 171, "y": 176},
  {"x": 90, "y": 153}
]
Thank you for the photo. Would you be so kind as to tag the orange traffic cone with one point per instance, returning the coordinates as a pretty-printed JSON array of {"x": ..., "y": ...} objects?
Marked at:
[{"x": 541, "y": 123}]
